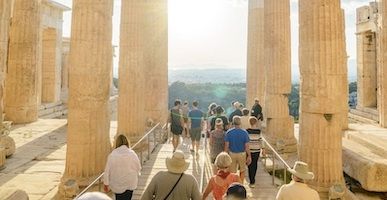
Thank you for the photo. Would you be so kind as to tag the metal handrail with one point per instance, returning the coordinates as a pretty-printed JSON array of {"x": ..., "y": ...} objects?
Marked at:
[
  {"x": 204, "y": 163},
  {"x": 274, "y": 156},
  {"x": 98, "y": 179}
]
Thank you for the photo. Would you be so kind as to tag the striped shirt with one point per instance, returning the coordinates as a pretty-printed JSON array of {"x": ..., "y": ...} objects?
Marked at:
[{"x": 256, "y": 142}]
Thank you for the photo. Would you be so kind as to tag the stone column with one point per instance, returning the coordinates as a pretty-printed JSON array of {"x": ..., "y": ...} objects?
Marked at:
[
  {"x": 88, "y": 142},
  {"x": 255, "y": 86},
  {"x": 5, "y": 15},
  {"x": 279, "y": 125},
  {"x": 382, "y": 67},
  {"x": 156, "y": 62},
  {"x": 21, "y": 102},
  {"x": 323, "y": 81},
  {"x": 131, "y": 99}
]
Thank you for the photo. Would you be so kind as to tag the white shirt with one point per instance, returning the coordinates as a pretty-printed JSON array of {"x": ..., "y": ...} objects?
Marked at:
[
  {"x": 297, "y": 191},
  {"x": 122, "y": 170}
]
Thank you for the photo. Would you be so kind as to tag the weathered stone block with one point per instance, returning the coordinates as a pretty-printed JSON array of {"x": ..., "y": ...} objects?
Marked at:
[
  {"x": 9, "y": 194},
  {"x": 322, "y": 94},
  {"x": 2, "y": 157},
  {"x": 366, "y": 167},
  {"x": 9, "y": 144},
  {"x": 276, "y": 105}
]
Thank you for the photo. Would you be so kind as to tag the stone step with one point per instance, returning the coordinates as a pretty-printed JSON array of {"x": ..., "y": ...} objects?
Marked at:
[
  {"x": 375, "y": 144},
  {"x": 44, "y": 106},
  {"x": 54, "y": 110},
  {"x": 354, "y": 118},
  {"x": 367, "y": 113},
  {"x": 365, "y": 166}
]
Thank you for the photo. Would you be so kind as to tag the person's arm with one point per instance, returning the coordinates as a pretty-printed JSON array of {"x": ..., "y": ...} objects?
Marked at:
[
  {"x": 196, "y": 195},
  {"x": 247, "y": 149},
  {"x": 106, "y": 176},
  {"x": 208, "y": 189},
  {"x": 226, "y": 147},
  {"x": 150, "y": 190},
  {"x": 280, "y": 195}
]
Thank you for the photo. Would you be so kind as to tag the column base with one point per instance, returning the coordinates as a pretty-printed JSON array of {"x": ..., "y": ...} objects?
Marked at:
[{"x": 21, "y": 115}]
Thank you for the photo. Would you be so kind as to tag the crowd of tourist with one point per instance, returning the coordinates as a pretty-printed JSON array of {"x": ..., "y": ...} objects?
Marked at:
[{"x": 235, "y": 146}]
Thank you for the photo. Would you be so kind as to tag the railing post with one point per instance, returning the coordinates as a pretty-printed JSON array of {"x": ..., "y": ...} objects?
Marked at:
[
  {"x": 147, "y": 156},
  {"x": 273, "y": 170},
  {"x": 285, "y": 169},
  {"x": 141, "y": 158},
  {"x": 99, "y": 185}
]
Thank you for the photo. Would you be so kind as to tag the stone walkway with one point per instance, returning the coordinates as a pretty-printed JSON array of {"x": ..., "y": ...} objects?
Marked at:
[
  {"x": 39, "y": 162},
  {"x": 263, "y": 190}
]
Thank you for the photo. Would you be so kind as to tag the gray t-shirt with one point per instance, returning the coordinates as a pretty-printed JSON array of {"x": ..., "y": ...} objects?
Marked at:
[{"x": 163, "y": 182}]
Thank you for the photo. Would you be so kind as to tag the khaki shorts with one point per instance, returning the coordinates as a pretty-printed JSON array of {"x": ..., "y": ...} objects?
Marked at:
[
  {"x": 238, "y": 162},
  {"x": 196, "y": 134}
]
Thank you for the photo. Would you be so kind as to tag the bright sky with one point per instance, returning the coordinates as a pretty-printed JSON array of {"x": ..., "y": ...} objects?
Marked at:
[{"x": 213, "y": 33}]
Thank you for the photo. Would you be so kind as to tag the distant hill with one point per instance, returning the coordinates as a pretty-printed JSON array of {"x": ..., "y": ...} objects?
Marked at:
[{"x": 207, "y": 75}]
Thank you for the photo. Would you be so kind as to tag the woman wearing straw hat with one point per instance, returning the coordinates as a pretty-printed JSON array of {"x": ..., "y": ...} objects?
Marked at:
[
  {"x": 297, "y": 189},
  {"x": 173, "y": 184}
]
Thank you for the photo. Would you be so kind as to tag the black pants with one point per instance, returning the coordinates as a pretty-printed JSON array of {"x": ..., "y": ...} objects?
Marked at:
[
  {"x": 253, "y": 166},
  {"x": 127, "y": 195}
]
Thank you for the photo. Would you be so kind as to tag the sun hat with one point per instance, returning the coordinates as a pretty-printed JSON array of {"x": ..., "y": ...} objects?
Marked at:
[
  {"x": 94, "y": 196},
  {"x": 301, "y": 170},
  {"x": 177, "y": 163}
]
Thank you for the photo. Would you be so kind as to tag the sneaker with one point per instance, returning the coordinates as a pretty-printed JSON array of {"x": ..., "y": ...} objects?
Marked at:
[{"x": 252, "y": 185}]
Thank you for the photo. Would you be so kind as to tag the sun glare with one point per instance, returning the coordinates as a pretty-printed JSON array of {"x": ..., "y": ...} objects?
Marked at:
[{"x": 192, "y": 18}]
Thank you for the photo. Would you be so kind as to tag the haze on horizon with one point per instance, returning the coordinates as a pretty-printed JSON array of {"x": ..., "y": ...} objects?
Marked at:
[{"x": 213, "y": 34}]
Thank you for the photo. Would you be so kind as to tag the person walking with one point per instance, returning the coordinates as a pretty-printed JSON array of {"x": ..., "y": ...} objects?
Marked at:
[
  {"x": 122, "y": 170},
  {"x": 237, "y": 145},
  {"x": 245, "y": 124},
  {"x": 217, "y": 141},
  {"x": 256, "y": 110},
  {"x": 256, "y": 145},
  {"x": 174, "y": 183},
  {"x": 195, "y": 118},
  {"x": 185, "y": 111},
  {"x": 237, "y": 111},
  {"x": 219, "y": 183},
  {"x": 176, "y": 120},
  {"x": 297, "y": 189},
  {"x": 219, "y": 114}
]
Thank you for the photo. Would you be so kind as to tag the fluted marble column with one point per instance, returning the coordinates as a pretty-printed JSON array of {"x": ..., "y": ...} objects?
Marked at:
[
  {"x": 131, "y": 100},
  {"x": 88, "y": 142},
  {"x": 21, "y": 102},
  {"x": 382, "y": 66},
  {"x": 279, "y": 124},
  {"x": 5, "y": 15},
  {"x": 255, "y": 54},
  {"x": 323, "y": 81},
  {"x": 156, "y": 61}
]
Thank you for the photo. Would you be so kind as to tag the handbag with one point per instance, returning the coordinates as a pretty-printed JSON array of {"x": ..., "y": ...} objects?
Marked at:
[{"x": 173, "y": 187}]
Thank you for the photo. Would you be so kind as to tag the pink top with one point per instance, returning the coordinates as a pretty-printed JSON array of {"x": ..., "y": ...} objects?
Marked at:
[{"x": 220, "y": 186}]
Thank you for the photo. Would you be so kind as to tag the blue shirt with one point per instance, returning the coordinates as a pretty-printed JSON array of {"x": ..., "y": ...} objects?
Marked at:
[
  {"x": 196, "y": 116},
  {"x": 237, "y": 139}
]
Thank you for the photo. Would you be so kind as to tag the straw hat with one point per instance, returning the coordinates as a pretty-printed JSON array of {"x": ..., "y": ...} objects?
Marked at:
[
  {"x": 301, "y": 170},
  {"x": 177, "y": 163}
]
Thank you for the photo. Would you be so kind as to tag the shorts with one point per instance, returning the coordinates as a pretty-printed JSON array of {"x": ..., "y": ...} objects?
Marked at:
[
  {"x": 238, "y": 162},
  {"x": 195, "y": 134}
]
